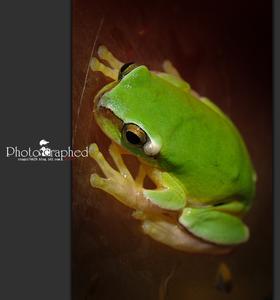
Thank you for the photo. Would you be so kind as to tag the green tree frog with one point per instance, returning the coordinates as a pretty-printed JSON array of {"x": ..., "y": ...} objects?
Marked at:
[{"x": 203, "y": 175}]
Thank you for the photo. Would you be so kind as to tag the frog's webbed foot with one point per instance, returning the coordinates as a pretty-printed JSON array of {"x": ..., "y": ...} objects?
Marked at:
[
  {"x": 119, "y": 183},
  {"x": 114, "y": 65},
  {"x": 169, "y": 233}
]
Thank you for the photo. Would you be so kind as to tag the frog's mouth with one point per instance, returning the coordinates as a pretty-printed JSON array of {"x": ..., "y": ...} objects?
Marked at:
[{"x": 97, "y": 103}]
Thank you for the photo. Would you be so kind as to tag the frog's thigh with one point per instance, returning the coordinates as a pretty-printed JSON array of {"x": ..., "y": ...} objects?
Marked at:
[{"x": 214, "y": 226}]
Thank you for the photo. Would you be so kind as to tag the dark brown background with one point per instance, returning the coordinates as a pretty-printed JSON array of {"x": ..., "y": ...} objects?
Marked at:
[{"x": 223, "y": 49}]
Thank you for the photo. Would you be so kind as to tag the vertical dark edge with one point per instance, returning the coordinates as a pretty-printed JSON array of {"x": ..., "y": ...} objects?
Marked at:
[
  {"x": 276, "y": 114},
  {"x": 69, "y": 17},
  {"x": 71, "y": 139}
]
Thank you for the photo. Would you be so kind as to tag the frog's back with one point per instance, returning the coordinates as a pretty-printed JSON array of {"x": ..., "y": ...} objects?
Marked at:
[{"x": 213, "y": 161}]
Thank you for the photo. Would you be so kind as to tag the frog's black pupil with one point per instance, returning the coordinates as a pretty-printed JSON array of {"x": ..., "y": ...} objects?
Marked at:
[
  {"x": 219, "y": 204},
  {"x": 132, "y": 138}
]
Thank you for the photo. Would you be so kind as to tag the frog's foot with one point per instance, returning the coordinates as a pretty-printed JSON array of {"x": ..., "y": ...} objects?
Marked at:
[
  {"x": 171, "y": 75},
  {"x": 170, "y": 69},
  {"x": 114, "y": 65},
  {"x": 169, "y": 233},
  {"x": 120, "y": 184}
]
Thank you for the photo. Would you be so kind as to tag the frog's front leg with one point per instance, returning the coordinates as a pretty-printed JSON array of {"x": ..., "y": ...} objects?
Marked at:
[
  {"x": 120, "y": 184},
  {"x": 169, "y": 193}
]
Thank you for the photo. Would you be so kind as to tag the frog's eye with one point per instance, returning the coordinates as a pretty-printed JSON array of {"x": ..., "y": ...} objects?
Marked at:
[
  {"x": 134, "y": 135},
  {"x": 125, "y": 69}
]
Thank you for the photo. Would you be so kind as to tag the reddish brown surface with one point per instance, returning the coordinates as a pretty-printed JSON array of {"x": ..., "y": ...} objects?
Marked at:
[{"x": 224, "y": 52}]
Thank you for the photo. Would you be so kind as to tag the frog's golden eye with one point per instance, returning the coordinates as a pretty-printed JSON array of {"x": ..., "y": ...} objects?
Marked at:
[
  {"x": 134, "y": 135},
  {"x": 125, "y": 69}
]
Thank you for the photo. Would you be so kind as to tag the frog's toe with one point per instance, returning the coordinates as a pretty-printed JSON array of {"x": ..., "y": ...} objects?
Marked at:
[
  {"x": 102, "y": 50},
  {"x": 114, "y": 151},
  {"x": 93, "y": 150},
  {"x": 169, "y": 68},
  {"x": 155, "y": 229},
  {"x": 97, "y": 66},
  {"x": 110, "y": 186},
  {"x": 139, "y": 215},
  {"x": 106, "y": 55},
  {"x": 108, "y": 171},
  {"x": 98, "y": 182}
]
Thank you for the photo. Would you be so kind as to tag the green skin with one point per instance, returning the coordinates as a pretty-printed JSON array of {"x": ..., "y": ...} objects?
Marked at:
[{"x": 206, "y": 170}]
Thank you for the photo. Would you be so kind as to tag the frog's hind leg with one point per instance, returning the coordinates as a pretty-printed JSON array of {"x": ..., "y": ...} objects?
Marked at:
[
  {"x": 171, "y": 75},
  {"x": 114, "y": 65},
  {"x": 169, "y": 68},
  {"x": 169, "y": 233},
  {"x": 215, "y": 226}
]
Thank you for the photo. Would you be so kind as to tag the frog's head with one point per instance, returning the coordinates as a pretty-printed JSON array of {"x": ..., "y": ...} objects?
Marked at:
[{"x": 127, "y": 111}]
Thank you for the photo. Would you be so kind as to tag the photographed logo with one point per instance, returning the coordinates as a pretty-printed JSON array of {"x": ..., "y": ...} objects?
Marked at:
[
  {"x": 44, "y": 153},
  {"x": 44, "y": 150}
]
